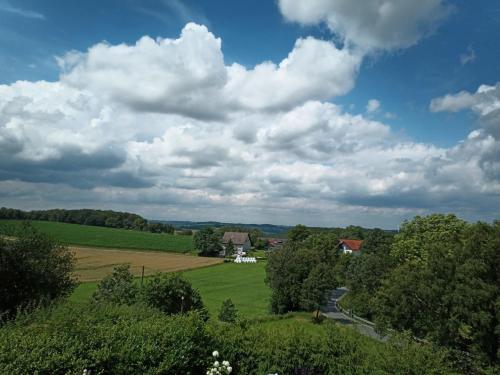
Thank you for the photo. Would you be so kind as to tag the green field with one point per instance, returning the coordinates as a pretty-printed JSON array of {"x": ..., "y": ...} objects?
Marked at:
[
  {"x": 243, "y": 283},
  {"x": 85, "y": 235}
]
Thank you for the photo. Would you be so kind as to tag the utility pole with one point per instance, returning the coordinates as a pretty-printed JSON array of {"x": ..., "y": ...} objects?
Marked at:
[{"x": 142, "y": 276}]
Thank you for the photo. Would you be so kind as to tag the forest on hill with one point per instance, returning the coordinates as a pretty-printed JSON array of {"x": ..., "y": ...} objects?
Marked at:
[{"x": 99, "y": 218}]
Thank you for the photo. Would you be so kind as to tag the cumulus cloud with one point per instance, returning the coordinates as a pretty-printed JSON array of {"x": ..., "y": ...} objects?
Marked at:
[
  {"x": 187, "y": 75},
  {"x": 376, "y": 24},
  {"x": 485, "y": 102},
  {"x": 166, "y": 129},
  {"x": 314, "y": 69}
]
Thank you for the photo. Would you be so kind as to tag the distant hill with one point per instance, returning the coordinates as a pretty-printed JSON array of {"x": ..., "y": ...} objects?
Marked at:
[{"x": 269, "y": 230}]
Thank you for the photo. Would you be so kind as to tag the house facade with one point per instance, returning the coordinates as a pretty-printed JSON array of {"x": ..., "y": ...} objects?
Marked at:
[
  {"x": 350, "y": 246},
  {"x": 241, "y": 242}
]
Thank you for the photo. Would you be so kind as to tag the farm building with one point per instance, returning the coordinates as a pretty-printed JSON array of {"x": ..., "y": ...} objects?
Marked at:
[
  {"x": 240, "y": 240},
  {"x": 350, "y": 246},
  {"x": 275, "y": 243}
]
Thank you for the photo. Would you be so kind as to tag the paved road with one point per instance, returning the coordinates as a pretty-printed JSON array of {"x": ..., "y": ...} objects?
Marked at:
[{"x": 332, "y": 311}]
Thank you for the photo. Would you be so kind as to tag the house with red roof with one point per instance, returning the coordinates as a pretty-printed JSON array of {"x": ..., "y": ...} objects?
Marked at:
[{"x": 350, "y": 246}]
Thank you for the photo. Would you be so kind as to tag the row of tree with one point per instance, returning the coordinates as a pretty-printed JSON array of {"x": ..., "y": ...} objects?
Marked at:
[
  {"x": 439, "y": 278},
  {"x": 100, "y": 218}
]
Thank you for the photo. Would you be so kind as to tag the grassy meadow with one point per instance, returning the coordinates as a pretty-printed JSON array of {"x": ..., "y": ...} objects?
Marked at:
[
  {"x": 243, "y": 283},
  {"x": 85, "y": 235}
]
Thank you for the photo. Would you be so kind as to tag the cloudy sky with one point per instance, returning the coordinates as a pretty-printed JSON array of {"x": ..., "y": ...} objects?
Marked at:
[{"x": 319, "y": 112}]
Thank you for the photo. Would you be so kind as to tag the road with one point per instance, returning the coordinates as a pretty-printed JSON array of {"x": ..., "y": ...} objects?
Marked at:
[{"x": 332, "y": 311}]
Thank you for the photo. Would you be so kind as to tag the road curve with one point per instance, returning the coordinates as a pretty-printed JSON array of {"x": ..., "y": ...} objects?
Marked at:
[{"x": 332, "y": 311}]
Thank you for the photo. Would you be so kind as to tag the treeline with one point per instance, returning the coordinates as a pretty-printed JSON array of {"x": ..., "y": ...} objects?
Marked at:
[
  {"x": 438, "y": 278},
  {"x": 100, "y": 218}
]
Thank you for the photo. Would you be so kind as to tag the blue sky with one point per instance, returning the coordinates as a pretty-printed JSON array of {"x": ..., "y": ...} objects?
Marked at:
[{"x": 455, "y": 52}]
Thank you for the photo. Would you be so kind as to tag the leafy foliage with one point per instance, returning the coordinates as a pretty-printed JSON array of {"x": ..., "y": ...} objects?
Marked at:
[
  {"x": 317, "y": 287},
  {"x": 298, "y": 233},
  {"x": 207, "y": 242},
  {"x": 229, "y": 248},
  {"x": 445, "y": 286},
  {"x": 121, "y": 339},
  {"x": 33, "y": 269},
  {"x": 228, "y": 312},
  {"x": 100, "y": 218},
  {"x": 106, "y": 339},
  {"x": 289, "y": 267},
  {"x": 171, "y": 294},
  {"x": 118, "y": 287}
]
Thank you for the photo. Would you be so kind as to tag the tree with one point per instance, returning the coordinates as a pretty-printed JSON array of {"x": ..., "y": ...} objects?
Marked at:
[
  {"x": 171, "y": 294},
  {"x": 289, "y": 267},
  {"x": 445, "y": 285},
  {"x": 33, "y": 269},
  {"x": 298, "y": 233},
  {"x": 118, "y": 287},
  {"x": 418, "y": 236},
  {"x": 317, "y": 288},
  {"x": 229, "y": 248},
  {"x": 207, "y": 242},
  {"x": 228, "y": 312}
]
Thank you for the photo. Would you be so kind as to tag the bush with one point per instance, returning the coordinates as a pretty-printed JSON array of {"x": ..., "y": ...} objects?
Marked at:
[
  {"x": 121, "y": 339},
  {"x": 289, "y": 347},
  {"x": 118, "y": 287},
  {"x": 33, "y": 269},
  {"x": 172, "y": 294},
  {"x": 107, "y": 339},
  {"x": 228, "y": 312}
]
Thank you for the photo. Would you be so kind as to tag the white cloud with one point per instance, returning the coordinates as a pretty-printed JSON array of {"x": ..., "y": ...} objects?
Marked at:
[
  {"x": 8, "y": 8},
  {"x": 166, "y": 129},
  {"x": 187, "y": 75},
  {"x": 373, "y": 105},
  {"x": 314, "y": 69},
  {"x": 485, "y": 102},
  {"x": 376, "y": 24}
]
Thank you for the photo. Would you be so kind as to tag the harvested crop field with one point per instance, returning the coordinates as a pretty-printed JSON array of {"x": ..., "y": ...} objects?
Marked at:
[{"x": 94, "y": 264}]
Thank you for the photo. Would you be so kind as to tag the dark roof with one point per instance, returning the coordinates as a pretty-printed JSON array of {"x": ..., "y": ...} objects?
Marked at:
[
  {"x": 238, "y": 238},
  {"x": 354, "y": 245}
]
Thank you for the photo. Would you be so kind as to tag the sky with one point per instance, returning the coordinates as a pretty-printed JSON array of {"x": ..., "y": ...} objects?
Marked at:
[{"x": 320, "y": 112}]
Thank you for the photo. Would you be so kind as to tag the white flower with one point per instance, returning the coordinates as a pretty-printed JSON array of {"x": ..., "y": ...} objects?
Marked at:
[
  {"x": 216, "y": 364},
  {"x": 225, "y": 363},
  {"x": 229, "y": 369},
  {"x": 215, "y": 353}
]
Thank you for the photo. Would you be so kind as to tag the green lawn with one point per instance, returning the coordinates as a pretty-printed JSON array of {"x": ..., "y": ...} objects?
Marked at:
[
  {"x": 243, "y": 283},
  {"x": 85, "y": 235}
]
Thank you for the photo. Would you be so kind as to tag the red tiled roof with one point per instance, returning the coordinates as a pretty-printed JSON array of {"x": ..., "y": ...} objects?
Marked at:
[{"x": 354, "y": 245}]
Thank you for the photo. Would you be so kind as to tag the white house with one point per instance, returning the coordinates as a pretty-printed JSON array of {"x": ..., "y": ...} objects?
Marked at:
[{"x": 241, "y": 242}]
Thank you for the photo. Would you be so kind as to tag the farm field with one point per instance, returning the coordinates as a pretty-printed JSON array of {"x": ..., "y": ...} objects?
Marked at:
[
  {"x": 85, "y": 235},
  {"x": 94, "y": 264},
  {"x": 243, "y": 283}
]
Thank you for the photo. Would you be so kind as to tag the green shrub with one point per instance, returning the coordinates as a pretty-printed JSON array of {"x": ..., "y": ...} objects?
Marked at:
[
  {"x": 289, "y": 347},
  {"x": 172, "y": 294},
  {"x": 118, "y": 287},
  {"x": 228, "y": 312},
  {"x": 137, "y": 339},
  {"x": 33, "y": 269},
  {"x": 106, "y": 338}
]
